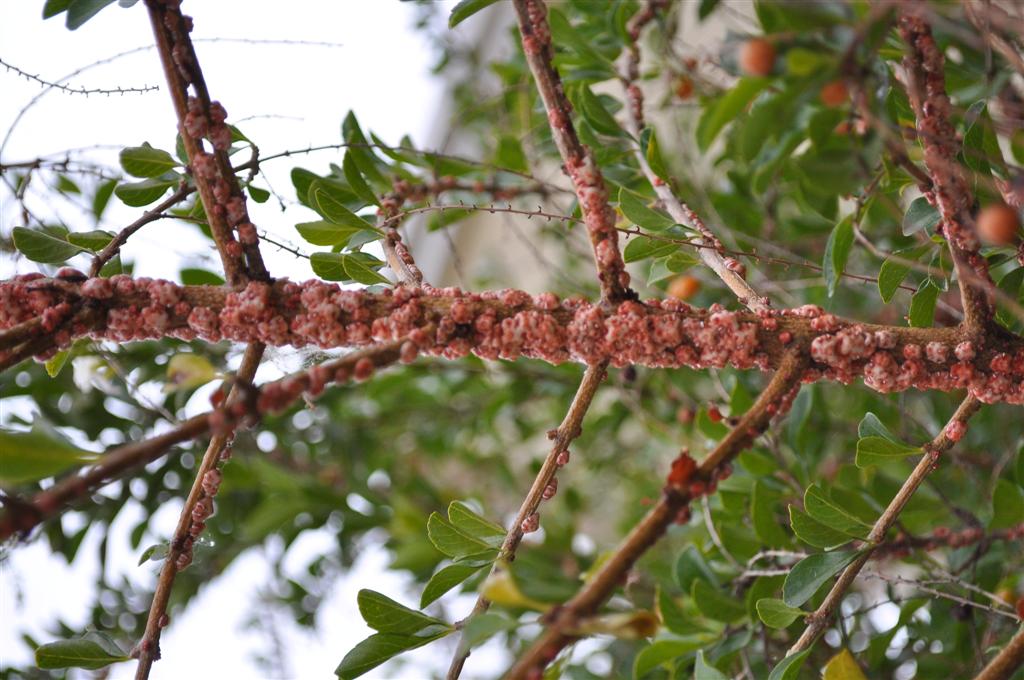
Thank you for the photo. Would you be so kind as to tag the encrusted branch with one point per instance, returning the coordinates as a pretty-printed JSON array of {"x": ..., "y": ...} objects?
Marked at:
[
  {"x": 687, "y": 481},
  {"x": 199, "y": 118},
  {"x": 730, "y": 270},
  {"x": 227, "y": 214},
  {"x": 951, "y": 195},
  {"x": 578, "y": 160},
  {"x": 951, "y": 433},
  {"x": 544, "y": 487},
  {"x": 273, "y": 397},
  {"x": 509, "y": 324}
]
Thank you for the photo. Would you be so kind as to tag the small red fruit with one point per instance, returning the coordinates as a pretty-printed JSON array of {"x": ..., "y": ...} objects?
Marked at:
[
  {"x": 683, "y": 287},
  {"x": 999, "y": 224},
  {"x": 757, "y": 57},
  {"x": 834, "y": 94},
  {"x": 684, "y": 88},
  {"x": 714, "y": 415}
]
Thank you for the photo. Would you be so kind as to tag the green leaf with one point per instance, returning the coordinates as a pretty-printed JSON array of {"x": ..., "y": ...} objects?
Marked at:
[
  {"x": 776, "y": 613},
  {"x": 482, "y": 626},
  {"x": 762, "y": 515},
  {"x": 890, "y": 276},
  {"x": 510, "y": 154},
  {"x": 594, "y": 112},
  {"x": 920, "y": 216},
  {"x": 789, "y": 667},
  {"x": 257, "y": 194},
  {"x": 54, "y": 7},
  {"x": 347, "y": 267},
  {"x": 702, "y": 670},
  {"x": 327, "y": 203},
  {"x": 1007, "y": 505},
  {"x": 145, "y": 161},
  {"x": 811, "y": 573},
  {"x": 361, "y": 268},
  {"x": 636, "y": 211},
  {"x": 94, "y": 241},
  {"x": 660, "y": 652},
  {"x": 469, "y": 522},
  {"x": 323, "y": 233},
  {"x": 715, "y": 604},
  {"x": 837, "y": 251},
  {"x": 93, "y": 650},
  {"x": 191, "y": 276},
  {"x": 356, "y": 181},
  {"x": 922, "y": 305},
  {"x": 691, "y": 566},
  {"x": 821, "y": 508},
  {"x": 387, "y": 616},
  {"x": 80, "y": 11},
  {"x": 465, "y": 9},
  {"x": 138, "y": 194},
  {"x": 981, "y": 151},
  {"x": 642, "y": 248},
  {"x": 34, "y": 455},
  {"x": 47, "y": 244},
  {"x": 453, "y": 541},
  {"x": 878, "y": 450},
  {"x": 1017, "y": 145},
  {"x": 726, "y": 109},
  {"x": 155, "y": 552},
  {"x": 813, "y": 532},
  {"x": 446, "y": 579},
  {"x": 361, "y": 153},
  {"x": 376, "y": 649}
]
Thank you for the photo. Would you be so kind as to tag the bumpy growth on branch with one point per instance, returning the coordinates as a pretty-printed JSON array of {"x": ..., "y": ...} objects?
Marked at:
[{"x": 836, "y": 136}]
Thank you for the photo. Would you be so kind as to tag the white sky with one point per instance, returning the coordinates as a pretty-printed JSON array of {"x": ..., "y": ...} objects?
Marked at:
[{"x": 380, "y": 71}]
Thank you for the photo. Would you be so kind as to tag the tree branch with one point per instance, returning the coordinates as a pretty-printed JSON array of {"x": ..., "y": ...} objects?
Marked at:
[
  {"x": 1007, "y": 661},
  {"x": 728, "y": 269},
  {"x": 926, "y": 88},
  {"x": 540, "y": 490},
  {"x": 686, "y": 482},
  {"x": 578, "y": 160},
  {"x": 273, "y": 397},
  {"x": 951, "y": 433}
]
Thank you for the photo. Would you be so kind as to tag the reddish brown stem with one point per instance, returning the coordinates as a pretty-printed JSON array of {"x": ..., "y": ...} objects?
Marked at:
[
  {"x": 926, "y": 88},
  {"x": 819, "y": 619},
  {"x": 578, "y": 160},
  {"x": 1009, "y": 659},
  {"x": 774, "y": 400}
]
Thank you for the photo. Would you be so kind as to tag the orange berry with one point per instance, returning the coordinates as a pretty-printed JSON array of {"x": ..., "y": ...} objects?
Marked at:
[
  {"x": 999, "y": 224},
  {"x": 834, "y": 94},
  {"x": 684, "y": 87},
  {"x": 683, "y": 287},
  {"x": 1020, "y": 608},
  {"x": 757, "y": 57}
]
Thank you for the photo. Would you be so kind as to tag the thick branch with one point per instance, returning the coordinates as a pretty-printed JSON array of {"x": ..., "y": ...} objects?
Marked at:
[
  {"x": 926, "y": 88},
  {"x": 951, "y": 433},
  {"x": 686, "y": 482},
  {"x": 578, "y": 160},
  {"x": 511, "y": 324}
]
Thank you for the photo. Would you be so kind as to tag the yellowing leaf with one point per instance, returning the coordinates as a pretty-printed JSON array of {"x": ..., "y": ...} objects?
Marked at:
[
  {"x": 501, "y": 588},
  {"x": 186, "y": 371},
  {"x": 842, "y": 666}
]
